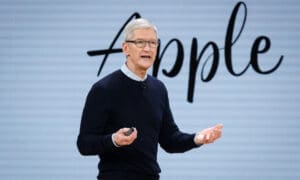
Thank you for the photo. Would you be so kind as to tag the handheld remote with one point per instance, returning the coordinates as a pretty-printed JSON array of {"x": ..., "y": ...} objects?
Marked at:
[{"x": 130, "y": 131}]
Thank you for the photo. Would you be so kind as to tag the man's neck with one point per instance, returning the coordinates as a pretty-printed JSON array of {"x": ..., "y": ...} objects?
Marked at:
[
  {"x": 140, "y": 73},
  {"x": 131, "y": 74}
]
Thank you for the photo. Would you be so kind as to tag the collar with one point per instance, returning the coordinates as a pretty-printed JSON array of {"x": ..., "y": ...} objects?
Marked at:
[{"x": 131, "y": 74}]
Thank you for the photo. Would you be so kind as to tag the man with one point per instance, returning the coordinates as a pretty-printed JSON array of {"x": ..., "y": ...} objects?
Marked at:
[{"x": 130, "y": 98}]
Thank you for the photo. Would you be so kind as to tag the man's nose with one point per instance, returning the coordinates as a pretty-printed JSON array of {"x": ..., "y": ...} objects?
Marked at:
[{"x": 147, "y": 46}]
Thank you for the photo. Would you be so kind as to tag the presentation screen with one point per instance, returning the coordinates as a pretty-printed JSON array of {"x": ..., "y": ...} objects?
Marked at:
[{"x": 230, "y": 62}]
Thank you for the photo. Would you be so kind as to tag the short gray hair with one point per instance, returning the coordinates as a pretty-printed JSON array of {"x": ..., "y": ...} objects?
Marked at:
[{"x": 137, "y": 24}]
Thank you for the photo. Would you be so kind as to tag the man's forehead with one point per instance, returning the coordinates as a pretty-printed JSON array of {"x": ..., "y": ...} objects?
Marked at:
[{"x": 147, "y": 32}]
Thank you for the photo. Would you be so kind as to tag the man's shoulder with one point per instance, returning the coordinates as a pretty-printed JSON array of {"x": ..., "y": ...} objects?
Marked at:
[
  {"x": 153, "y": 81},
  {"x": 109, "y": 81},
  {"x": 157, "y": 87}
]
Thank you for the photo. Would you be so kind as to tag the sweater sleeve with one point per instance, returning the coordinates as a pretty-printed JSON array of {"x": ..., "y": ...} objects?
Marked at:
[
  {"x": 171, "y": 139},
  {"x": 91, "y": 139}
]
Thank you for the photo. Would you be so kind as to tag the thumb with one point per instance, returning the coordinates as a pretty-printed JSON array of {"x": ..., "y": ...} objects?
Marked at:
[{"x": 123, "y": 130}]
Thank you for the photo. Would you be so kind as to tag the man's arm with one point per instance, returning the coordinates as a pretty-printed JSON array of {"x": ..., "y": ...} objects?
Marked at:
[
  {"x": 171, "y": 139},
  {"x": 174, "y": 141},
  {"x": 91, "y": 139}
]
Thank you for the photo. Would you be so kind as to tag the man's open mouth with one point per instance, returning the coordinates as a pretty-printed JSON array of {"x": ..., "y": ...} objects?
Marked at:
[{"x": 146, "y": 57}]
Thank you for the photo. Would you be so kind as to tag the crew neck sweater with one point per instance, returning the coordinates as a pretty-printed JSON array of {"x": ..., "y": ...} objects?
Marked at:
[{"x": 115, "y": 102}]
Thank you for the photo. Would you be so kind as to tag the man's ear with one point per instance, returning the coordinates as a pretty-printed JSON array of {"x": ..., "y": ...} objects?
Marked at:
[{"x": 125, "y": 48}]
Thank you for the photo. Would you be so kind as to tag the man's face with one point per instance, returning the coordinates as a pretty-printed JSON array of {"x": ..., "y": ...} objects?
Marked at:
[{"x": 141, "y": 55}]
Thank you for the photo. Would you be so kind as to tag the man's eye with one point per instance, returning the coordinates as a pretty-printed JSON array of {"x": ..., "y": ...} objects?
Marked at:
[{"x": 140, "y": 42}]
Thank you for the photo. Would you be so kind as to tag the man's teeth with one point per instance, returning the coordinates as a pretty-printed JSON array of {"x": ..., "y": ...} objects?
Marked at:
[{"x": 145, "y": 56}]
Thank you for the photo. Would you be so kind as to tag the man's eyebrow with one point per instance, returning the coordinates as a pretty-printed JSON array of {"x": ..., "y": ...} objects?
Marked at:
[{"x": 145, "y": 39}]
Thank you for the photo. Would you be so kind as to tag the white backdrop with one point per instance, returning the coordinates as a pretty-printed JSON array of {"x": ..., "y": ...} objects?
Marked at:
[{"x": 45, "y": 75}]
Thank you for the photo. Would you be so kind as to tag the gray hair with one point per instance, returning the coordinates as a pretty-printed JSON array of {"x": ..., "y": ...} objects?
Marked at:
[{"x": 137, "y": 24}]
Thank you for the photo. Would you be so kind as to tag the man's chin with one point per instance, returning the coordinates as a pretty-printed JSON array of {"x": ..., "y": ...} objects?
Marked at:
[{"x": 146, "y": 66}]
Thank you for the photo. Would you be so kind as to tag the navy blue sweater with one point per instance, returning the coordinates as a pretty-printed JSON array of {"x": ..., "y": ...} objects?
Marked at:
[{"x": 116, "y": 102}]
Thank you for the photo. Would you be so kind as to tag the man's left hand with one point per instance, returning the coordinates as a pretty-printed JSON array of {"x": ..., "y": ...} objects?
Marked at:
[{"x": 208, "y": 135}]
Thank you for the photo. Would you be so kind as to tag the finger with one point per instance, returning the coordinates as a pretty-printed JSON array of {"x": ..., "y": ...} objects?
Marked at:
[
  {"x": 122, "y": 131},
  {"x": 213, "y": 137},
  {"x": 126, "y": 141},
  {"x": 129, "y": 132},
  {"x": 218, "y": 132},
  {"x": 132, "y": 134},
  {"x": 218, "y": 126},
  {"x": 125, "y": 129},
  {"x": 135, "y": 133},
  {"x": 208, "y": 136},
  {"x": 131, "y": 138}
]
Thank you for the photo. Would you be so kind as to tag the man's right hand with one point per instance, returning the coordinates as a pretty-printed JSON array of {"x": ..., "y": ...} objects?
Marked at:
[{"x": 120, "y": 139}]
